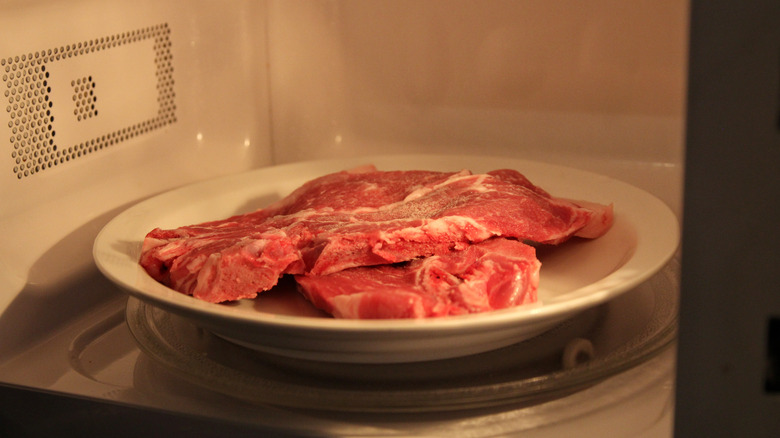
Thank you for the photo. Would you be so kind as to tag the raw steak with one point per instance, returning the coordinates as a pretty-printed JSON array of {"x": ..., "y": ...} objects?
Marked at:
[
  {"x": 361, "y": 218},
  {"x": 494, "y": 274}
]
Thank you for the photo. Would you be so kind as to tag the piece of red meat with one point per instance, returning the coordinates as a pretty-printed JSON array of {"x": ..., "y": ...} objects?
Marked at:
[
  {"x": 494, "y": 274},
  {"x": 355, "y": 189},
  {"x": 450, "y": 212},
  {"x": 360, "y": 218}
]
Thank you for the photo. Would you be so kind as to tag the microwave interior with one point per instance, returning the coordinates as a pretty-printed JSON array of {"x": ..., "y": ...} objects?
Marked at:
[{"x": 109, "y": 104}]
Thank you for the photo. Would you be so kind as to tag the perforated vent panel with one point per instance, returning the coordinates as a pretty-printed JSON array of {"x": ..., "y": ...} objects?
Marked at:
[{"x": 65, "y": 102}]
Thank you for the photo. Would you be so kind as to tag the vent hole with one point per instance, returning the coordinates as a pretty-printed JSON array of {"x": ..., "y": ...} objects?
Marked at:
[{"x": 28, "y": 90}]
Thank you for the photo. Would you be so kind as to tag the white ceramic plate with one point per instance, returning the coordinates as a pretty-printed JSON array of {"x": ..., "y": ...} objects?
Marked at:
[{"x": 574, "y": 276}]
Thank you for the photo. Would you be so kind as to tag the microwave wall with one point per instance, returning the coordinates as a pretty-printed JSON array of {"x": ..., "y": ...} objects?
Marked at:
[{"x": 241, "y": 84}]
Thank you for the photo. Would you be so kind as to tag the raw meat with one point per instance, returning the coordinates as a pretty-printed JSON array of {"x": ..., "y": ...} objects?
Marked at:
[
  {"x": 361, "y": 218},
  {"x": 494, "y": 274},
  {"x": 449, "y": 212}
]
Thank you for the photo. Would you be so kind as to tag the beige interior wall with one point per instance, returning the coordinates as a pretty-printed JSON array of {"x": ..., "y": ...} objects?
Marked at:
[{"x": 530, "y": 78}]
